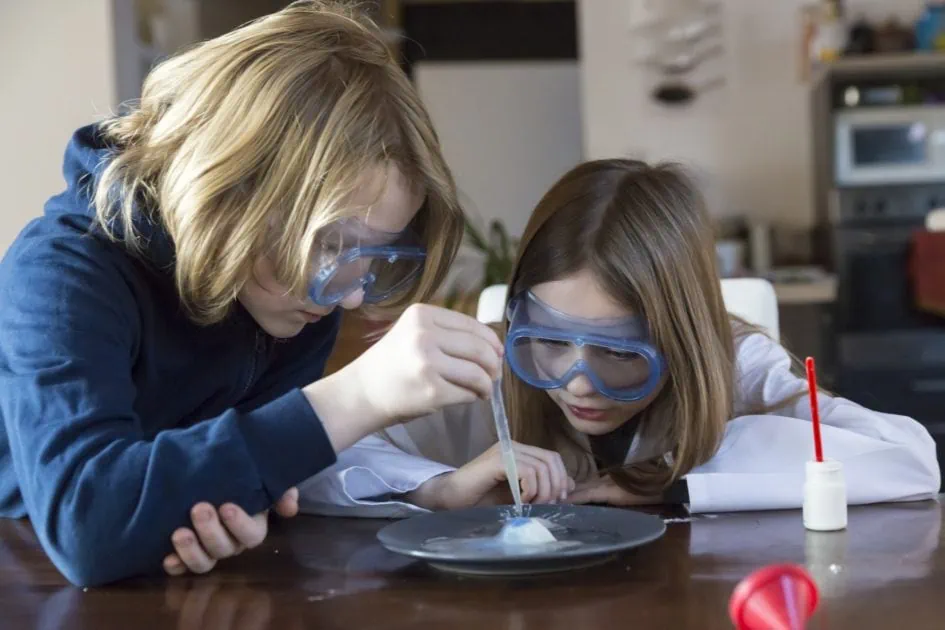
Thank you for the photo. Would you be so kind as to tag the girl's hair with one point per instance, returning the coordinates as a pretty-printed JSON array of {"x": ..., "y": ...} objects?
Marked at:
[
  {"x": 247, "y": 144},
  {"x": 644, "y": 233}
]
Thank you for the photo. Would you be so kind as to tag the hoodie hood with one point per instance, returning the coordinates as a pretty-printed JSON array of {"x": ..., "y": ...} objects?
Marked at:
[{"x": 86, "y": 157}]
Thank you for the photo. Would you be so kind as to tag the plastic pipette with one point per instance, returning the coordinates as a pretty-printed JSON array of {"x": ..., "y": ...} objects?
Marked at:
[{"x": 505, "y": 443}]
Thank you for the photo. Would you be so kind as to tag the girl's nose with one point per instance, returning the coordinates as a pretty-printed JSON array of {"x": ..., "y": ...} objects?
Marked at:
[{"x": 580, "y": 386}]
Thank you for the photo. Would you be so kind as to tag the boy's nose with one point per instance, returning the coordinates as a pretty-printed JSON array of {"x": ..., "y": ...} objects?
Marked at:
[{"x": 353, "y": 300}]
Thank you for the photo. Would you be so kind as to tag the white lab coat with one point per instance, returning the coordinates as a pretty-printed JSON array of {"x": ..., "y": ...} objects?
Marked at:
[{"x": 759, "y": 465}]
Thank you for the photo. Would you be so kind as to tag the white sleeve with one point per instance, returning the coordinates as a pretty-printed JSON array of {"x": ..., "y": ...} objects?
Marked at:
[
  {"x": 367, "y": 480},
  {"x": 370, "y": 478},
  {"x": 760, "y": 464}
]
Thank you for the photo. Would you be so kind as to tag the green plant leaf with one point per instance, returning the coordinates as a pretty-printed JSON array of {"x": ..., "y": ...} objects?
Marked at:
[
  {"x": 504, "y": 240},
  {"x": 475, "y": 238},
  {"x": 498, "y": 248}
]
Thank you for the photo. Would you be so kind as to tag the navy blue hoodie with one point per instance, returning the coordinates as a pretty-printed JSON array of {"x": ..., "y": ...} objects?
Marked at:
[{"x": 118, "y": 412}]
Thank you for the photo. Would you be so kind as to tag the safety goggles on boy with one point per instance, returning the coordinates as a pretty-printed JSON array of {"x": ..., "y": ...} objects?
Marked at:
[
  {"x": 350, "y": 255},
  {"x": 547, "y": 349}
]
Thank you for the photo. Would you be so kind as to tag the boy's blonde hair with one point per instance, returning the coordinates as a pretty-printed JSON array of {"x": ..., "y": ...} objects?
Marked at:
[{"x": 246, "y": 145}]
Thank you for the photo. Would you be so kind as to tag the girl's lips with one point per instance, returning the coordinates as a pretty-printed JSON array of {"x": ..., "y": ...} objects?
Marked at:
[{"x": 587, "y": 413}]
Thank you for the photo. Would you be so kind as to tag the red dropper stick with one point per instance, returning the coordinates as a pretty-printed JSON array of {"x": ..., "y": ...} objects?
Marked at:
[{"x": 814, "y": 409}]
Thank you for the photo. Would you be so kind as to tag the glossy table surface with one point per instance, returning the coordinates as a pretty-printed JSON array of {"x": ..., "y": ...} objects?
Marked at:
[{"x": 887, "y": 570}]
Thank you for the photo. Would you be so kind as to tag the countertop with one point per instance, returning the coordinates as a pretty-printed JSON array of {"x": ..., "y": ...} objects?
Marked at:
[{"x": 887, "y": 570}]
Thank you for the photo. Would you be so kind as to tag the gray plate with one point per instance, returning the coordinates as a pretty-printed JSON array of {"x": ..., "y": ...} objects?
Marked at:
[{"x": 604, "y": 533}]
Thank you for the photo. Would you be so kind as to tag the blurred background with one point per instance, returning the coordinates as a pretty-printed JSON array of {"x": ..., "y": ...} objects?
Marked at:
[{"x": 817, "y": 128}]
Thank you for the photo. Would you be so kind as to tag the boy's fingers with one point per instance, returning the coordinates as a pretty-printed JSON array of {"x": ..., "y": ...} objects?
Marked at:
[
  {"x": 288, "y": 505},
  {"x": 250, "y": 531},
  {"x": 214, "y": 537},
  {"x": 173, "y": 565},
  {"x": 190, "y": 552}
]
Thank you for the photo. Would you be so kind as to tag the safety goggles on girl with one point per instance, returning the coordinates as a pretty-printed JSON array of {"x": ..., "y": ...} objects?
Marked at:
[
  {"x": 547, "y": 349},
  {"x": 350, "y": 255}
]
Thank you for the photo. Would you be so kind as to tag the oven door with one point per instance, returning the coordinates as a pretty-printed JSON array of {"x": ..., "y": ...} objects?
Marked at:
[
  {"x": 874, "y": 288},
  {"x": 917, "y": 393}
]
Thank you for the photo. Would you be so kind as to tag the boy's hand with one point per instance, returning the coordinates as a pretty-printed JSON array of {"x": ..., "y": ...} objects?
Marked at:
[
  {"x": 222, "y": 533},
  {"x": 431, "y": 358}
]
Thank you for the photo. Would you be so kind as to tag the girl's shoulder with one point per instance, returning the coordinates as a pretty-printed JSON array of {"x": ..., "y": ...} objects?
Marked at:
[
  {"x": 755, "y": 350},
  {"x": 765, "y": 375}
]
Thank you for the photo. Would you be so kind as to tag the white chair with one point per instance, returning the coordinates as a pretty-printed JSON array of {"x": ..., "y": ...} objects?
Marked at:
[
  {"x": 491, "y": 306},
  {"x": 752, "y": 299}
]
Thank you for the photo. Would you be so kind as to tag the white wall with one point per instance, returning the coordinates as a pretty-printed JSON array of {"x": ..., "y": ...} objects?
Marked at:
[
  {"x": 56, "y": 75},
  {"x": 508, "y": 130},
  {"x": 750, "y": 137}
]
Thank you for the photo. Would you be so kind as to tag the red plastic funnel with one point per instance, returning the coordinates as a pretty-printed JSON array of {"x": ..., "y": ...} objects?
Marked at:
[{"x": 776, "y": 597}]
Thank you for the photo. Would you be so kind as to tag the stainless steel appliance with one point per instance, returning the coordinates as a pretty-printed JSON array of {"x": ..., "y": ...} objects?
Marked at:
[{"x": 894, "y": 145}]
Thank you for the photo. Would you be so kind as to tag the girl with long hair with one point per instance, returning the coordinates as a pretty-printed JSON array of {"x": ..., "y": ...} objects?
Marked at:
[{"x": 627, "y": 382}]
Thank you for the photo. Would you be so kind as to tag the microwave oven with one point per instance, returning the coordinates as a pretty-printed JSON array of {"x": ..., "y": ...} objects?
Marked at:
[{"x": 894, "y": 145}]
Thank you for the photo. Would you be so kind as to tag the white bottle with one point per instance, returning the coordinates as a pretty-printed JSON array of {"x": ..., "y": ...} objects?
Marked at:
[{"x": 825, "y": 496}]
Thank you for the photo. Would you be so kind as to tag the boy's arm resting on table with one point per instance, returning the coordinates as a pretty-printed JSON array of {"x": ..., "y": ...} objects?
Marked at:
[
  {"x": 760, "y": 464},
  {"x": 103, "y": 499}
]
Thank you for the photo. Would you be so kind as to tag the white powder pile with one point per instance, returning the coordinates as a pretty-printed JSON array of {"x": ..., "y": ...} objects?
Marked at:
[{"x": 525, "y": 531}]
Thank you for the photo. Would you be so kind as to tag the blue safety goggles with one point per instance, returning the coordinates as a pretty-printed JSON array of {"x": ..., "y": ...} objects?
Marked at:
[
  {"x": 350, "y": 256},
  {"x": 547, "y": 349}
]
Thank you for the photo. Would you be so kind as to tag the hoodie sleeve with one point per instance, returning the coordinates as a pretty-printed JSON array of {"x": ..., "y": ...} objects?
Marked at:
[
  {"x": 760, "y": 464},
  {"x": 104, "y": 497}
]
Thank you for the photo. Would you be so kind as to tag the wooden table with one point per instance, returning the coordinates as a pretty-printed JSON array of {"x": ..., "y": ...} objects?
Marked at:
[{"x": 886, "y": 571}]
